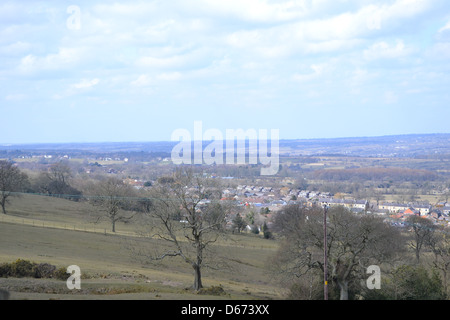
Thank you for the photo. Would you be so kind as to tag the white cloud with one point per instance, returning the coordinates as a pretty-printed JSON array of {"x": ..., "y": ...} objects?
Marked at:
[
  {"x": 328, "y": 33},
  {"x": 65, "y": 58},
  {"x": 383, "y": 50},
  {"x": 16, "y": 48},
  {"x": 142, "y": 81},
  {"x": 407, "y": 8},
  {"x": 233, "y": 52},
  {"x": 145, "y": 80},
  {"x": 86, "y": 83},
  {"x": 27, "y": 63},
  {"x": 161, "y": 62},
  {"x": 169, "y": 76},
  {"x": 257, "y": 10},
  {"x": 318, "y": 70},
  {"x": 445, "y": 28},
  {"x": 360, "y": 76}
]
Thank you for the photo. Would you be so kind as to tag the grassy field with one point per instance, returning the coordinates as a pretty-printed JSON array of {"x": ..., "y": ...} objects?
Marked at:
[{"x": 61, "y": 232}]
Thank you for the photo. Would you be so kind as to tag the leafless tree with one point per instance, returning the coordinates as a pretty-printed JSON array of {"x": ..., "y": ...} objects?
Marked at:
[
  {"x": 186, "y": 214},
  {"x": 113, "y": 197},
  {"x": 60, "y": 172},
  {"x": 56, "y": 181},
  {"x": 354, "y": 242},
  {"x": 439, "y": 243},
  {"x": 12, "y": 181},
  {"x": 423, "y": 230}
]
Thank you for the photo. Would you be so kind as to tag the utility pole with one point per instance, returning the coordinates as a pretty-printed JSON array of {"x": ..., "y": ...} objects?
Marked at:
[{"x": 325, "y": 258}]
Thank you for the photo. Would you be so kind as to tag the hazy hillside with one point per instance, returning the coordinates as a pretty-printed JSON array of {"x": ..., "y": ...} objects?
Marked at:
[{"x": 391, "y": 146}]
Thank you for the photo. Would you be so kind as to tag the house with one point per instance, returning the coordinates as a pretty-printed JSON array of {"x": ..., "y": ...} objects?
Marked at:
[
  {"x": 278, "y": 203},
  {"x": 393, "y": 207},
  {"x": 304, "y": 194},
  {"x": 358, "y": 205},
  {"x": 436, "y": 214},
  {"x": 361, "y": 204},
  {"x": 424, "y": 209},
  {"x": 410, "y": 212},
  {"x": 380, "y": 212}
]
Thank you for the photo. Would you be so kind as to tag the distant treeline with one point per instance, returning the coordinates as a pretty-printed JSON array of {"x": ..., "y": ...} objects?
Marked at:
[
  {"x": 132, "y": 155},
  {"x": 377, "y": 174}
]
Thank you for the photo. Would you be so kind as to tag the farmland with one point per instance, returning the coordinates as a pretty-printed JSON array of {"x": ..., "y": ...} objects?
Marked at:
[
  {"x": 57, "y": 231},
  {"x": 57, "y": 222}
]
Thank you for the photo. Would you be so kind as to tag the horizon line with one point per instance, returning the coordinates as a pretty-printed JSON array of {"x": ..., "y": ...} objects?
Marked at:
[{"x": 7, "y": 144}]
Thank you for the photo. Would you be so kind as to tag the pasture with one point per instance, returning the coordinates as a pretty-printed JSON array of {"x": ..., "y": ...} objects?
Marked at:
[{"x": 63, "y": 233}]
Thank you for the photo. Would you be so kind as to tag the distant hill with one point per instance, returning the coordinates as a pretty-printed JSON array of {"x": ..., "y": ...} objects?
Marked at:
[{"x": 392, "y": 146}]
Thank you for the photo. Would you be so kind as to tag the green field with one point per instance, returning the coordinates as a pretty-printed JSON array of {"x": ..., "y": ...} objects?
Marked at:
[{"x": 61, "y": 232}]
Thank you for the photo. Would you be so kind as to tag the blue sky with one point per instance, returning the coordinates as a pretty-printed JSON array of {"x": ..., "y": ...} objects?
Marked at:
[{"x": 93, "y": 71}]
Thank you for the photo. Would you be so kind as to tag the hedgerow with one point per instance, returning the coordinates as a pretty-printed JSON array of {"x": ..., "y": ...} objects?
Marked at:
[{"x": 27, "y": 269}]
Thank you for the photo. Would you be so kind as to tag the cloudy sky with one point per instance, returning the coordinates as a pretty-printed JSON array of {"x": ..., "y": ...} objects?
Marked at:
[{"x": 93, "y": 71}]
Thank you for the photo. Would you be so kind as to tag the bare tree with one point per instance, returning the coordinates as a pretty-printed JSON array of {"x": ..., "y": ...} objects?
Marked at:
[
  {"x": 423, "y": 230},
  {"x": 60, "y": 172},
  {"x": 186, "y": 214},
  {"x": 354, "y": 242},
  {"x": 439, "y": 243},
  {"x": 56, "y": 181},
  {"x": 113, "y": 197},
  {"x": 12, "y": 180}
]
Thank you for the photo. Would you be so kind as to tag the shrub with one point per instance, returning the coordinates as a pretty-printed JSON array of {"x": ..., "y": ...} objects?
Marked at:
[
  {"x": 408, "y": 282},
  {"x": 268, "y": 234},
  {"x": 44, "y": 270},
  {"x": 254, "y": 229},
  {"x": 61, "y": 274},
  {"x": 416, "y": 283},
  {"x": 213, "y": 291},
  {"x": 5, "y": 270},
  {"x": 22, "y": 268}
]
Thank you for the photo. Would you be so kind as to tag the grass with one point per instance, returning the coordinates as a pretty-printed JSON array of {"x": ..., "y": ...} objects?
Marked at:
[{"x": 59, "y": 232}]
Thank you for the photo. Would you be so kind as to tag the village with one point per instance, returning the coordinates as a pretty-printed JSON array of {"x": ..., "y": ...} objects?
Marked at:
[
  {"x": 270, "y": 200},
  {"x": 264, "y": 201}
]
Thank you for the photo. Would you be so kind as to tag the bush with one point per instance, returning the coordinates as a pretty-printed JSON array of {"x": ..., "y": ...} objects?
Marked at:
[
  {"x": 268, "y": 235},
  {"x": 254, "y": 229},
  {"x": 22, "y": 268},
  {"x": 409, "y": 283},
  {"x": 213, "y": 291},
  {"x": 44, "y": 270},
  {"x": 5, "y": 270},
  {"x": 61, "y": 274},
  {"x": 308, "y": 287},
  {"x": 416, "y": 283}
]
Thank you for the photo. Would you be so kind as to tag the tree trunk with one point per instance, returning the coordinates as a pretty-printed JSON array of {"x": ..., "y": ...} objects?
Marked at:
[
  {"x": 198, "y": 278},
  {"x": 343, "y": 285},
  {"x": 4, "y": 206},
  {"x": 444, "y": 280}
]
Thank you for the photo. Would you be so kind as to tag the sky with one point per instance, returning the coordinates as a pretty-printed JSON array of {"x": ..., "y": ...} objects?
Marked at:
[{"x": 109, "y": 71}]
